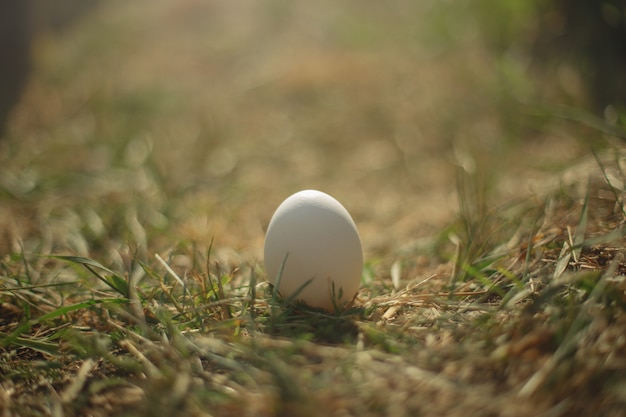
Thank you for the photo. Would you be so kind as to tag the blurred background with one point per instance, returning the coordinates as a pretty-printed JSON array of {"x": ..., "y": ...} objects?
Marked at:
[{"x": 156, "y": 124}]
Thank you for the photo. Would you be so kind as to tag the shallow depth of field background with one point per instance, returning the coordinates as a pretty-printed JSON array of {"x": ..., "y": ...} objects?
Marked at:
[{"x": 158, "y": 122}]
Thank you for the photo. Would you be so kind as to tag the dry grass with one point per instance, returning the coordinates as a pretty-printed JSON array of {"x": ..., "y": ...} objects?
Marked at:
[{"x": 152, "y": 146}]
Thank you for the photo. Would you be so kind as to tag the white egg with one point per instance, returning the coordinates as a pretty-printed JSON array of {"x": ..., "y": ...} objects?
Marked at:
[{"x": 315, "y": 237}]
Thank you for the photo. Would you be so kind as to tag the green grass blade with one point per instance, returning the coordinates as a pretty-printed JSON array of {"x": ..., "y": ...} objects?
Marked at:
[
  {"x": 42, "y": 346},
  {"x": 38, "y": 286},
  {"x": 581, "y": 229},
  {"x": 114, "y": 280},
  {"x": 573, "y": 248},
  {"x": 562, "y": 261},
  {"x": 61, "y": 311},
  {"x": 619, "y": 200}
]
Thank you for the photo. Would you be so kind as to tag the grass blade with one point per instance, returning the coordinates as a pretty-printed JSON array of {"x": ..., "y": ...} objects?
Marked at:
[
  {"x": 114, "y": 280},
  {"x": 61, "y": 311}
]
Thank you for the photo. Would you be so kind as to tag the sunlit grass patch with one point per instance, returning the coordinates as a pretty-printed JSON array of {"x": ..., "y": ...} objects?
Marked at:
[{"x": 537, "y": 314}]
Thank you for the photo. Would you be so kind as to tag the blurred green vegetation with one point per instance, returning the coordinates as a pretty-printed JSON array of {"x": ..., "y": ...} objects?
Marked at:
[{"x": 580, "y": 45}]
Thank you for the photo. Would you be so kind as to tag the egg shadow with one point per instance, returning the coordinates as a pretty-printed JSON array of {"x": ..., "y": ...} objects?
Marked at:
[{"x": 300, "y": 321}]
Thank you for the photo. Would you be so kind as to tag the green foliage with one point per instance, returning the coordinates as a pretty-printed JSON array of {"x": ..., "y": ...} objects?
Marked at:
[{"x": 505, "y": 23}]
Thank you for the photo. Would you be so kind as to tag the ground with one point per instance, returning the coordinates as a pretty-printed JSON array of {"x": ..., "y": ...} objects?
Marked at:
[{"x": 155, "y": 139}]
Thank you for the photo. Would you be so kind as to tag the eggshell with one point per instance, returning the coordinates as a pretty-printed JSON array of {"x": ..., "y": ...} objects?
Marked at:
[{"x": 314, "y": 235}]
